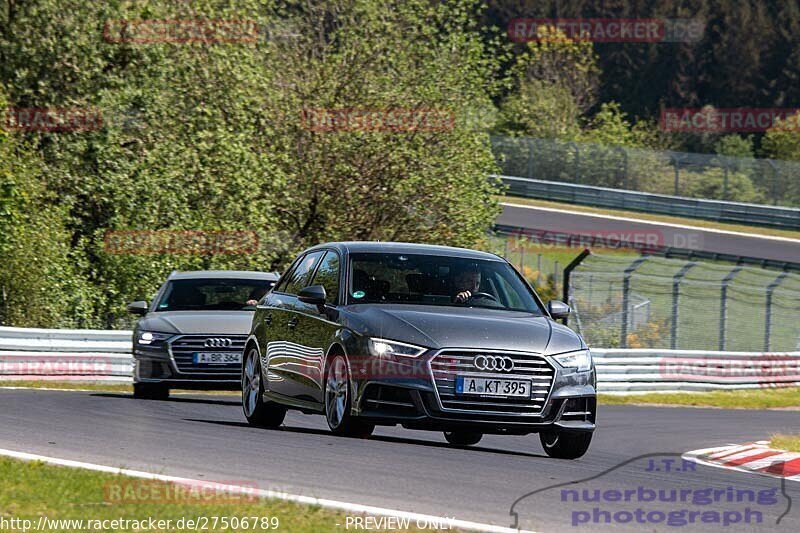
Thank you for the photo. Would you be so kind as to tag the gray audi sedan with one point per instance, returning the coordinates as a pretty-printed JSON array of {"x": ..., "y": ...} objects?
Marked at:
[
  {"x": 429, "y": 337},
  {"x": 192, "y": 335}
]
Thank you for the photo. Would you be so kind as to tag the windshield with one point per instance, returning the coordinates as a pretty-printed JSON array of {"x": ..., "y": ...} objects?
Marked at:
[
  {"x": 213, "y": 294},
  {"x": 437, "y": 280}
]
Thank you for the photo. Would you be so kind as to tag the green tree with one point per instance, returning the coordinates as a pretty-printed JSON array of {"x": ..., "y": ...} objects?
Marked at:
[
  {"x": 556, "y": 82},
  {"x": 782, "y": 141},
  {"x": 210, "y": 136},
  {"x": 734, "y": 146}
]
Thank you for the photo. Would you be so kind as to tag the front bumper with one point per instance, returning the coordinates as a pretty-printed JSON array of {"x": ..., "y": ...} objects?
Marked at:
[
  {"x": 415, "y": 402},
  {"x": 170, "y": 363}
]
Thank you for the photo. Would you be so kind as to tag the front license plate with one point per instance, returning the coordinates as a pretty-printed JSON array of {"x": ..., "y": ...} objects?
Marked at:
[
  {"x": 493, "y": 386},
  {"x": 221, "y": 358}
]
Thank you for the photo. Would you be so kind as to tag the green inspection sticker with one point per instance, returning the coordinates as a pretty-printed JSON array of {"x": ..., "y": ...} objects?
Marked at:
[{"x": 359, "y": 294}]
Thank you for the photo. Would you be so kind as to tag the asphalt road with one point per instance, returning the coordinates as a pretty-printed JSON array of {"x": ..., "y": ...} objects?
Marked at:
[
  {"x": 662, "y": 235},
  {"x": 207, "y": 438}
]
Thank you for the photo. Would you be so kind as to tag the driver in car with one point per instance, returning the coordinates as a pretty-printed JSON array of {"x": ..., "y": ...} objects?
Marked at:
[
  {"x": 466, "y": 282},
  {"x": 255, "y": 295}
]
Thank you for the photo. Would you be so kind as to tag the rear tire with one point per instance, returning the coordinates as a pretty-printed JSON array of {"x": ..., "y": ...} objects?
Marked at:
[
  {"x": 565, "y": 445},
  {"x": 338, "y": 402},
  {"x": 258, "y": 412},
  {"x": 463, "y": 438},
  {"x": 150, "y": 391}
]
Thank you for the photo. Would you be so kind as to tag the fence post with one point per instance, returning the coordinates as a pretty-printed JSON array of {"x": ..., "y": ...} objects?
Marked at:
[
  {"x": 530, "y": 158},
  {"x": 723, "y": 305},
  {"x": 676, "y": 294},
  {"x": 676, "y": 164},
  {"x": 577, "y": 177},
  {"x": 725, "y": 179},
  {"x": 626, "y": 285},
  {"x": 624, "y": 153},
  {"x": 768, "y": 317},
  {"x": 505, "y": 248},
  {"x": 775, "y": 171},
  {"x": 568, "y": 272}
]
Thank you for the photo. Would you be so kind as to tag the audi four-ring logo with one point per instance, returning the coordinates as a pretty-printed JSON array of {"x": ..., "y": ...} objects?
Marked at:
[
  {"x": 218, "y": 342},
  {"x": 497, "y": 363}
]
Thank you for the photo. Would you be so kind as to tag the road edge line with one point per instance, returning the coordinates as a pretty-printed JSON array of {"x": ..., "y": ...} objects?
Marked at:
[{"x": 265, "y": 493}]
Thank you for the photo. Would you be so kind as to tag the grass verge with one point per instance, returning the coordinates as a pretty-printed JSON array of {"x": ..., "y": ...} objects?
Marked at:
[
  {"x": 697, "y": 222},
  {"x": 32, "y": 489},
  {"x": 790, "y": 443},
  {"x": 739, "y": 399}
]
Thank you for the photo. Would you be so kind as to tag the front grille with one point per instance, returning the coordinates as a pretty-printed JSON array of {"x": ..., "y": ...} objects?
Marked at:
[
  {"x": 446, "y": 365},
  {"x": 184, "y": 347}
]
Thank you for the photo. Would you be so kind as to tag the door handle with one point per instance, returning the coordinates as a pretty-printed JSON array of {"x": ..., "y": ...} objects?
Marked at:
[
  {"x": 268, "y": 319},
  {"x": 292, "y": 322}
]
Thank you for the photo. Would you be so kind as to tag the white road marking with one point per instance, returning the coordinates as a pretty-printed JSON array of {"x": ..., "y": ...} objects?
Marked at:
[
  {"x": 728, "y": 451},
  {"x": 655, "y": 223},
  {"x": 741, "y": 454},
  {"x": 263, "y": 493}
]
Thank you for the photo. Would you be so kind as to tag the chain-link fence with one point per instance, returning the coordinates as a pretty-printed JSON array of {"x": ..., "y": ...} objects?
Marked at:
[
  {"x": 655, "y": 302},
  {"x": 709, "y": 176}
]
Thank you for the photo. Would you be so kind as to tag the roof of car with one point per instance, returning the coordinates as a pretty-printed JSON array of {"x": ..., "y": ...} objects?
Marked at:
[
  {"x": 224, "y": 274},
  {"x": 408, "y": 248}
]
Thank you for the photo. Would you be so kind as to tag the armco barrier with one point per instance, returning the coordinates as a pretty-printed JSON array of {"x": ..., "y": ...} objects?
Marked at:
[
  {"x": 653, "y": 370},
  {"x": 65, "y": 354},
  {"x": 718, "y": 210},
  {"x": 88, "y": 355}
]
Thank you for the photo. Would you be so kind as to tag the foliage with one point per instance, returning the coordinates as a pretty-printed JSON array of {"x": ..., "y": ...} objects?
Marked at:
[
  {"x": 209, "y": 136},
  {"x": 556, "y": 80},
  {"x": 735, "y": 146},
  {"x": 782, "y": 141}
]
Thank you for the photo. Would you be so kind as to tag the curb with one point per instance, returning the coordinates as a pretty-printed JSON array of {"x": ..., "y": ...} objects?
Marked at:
[{"x": 754, "y": 457}]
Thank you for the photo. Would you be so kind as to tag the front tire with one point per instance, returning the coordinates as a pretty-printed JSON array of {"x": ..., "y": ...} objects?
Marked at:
[
  {"x": 150, "y": 391},
  {"x": 338, "y": 400},
  {"x": 463, "y": 438},
  {"x": 258, "y": 412},
  {"x": 565, "y": 445}
]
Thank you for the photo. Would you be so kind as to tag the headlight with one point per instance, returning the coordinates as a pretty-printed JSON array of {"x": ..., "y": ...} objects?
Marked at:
[
  {"x": 151, "y": 337},
  {"x": 380, "y": 347},
  {"x": 579, "y": 361}
]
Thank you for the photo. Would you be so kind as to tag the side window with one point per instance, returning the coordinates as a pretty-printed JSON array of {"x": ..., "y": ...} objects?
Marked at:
[
  {"x": 328, "y": 276},
  {"x": 301, "y": 275},
  {"x": 281, "y": 286}
]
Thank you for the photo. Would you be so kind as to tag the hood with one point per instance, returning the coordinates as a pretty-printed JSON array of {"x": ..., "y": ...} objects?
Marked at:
[
  {"x": 223, "y": 322},
  {"x": 457, "y": 327}
]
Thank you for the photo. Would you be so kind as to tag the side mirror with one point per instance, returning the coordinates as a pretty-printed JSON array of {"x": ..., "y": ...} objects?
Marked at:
[
  {"x": 138, "y": 308},
  {"x": 313, "y": 294},
  {"x": 558, "y": 309}
]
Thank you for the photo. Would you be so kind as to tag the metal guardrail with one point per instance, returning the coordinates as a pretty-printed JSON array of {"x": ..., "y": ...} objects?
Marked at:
[
  {"x": 720, "y": 211},
  {"x": 648, "y": 370},
  {"x": 54, "y": 355},
  {"x": 65, "y": 355}
]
